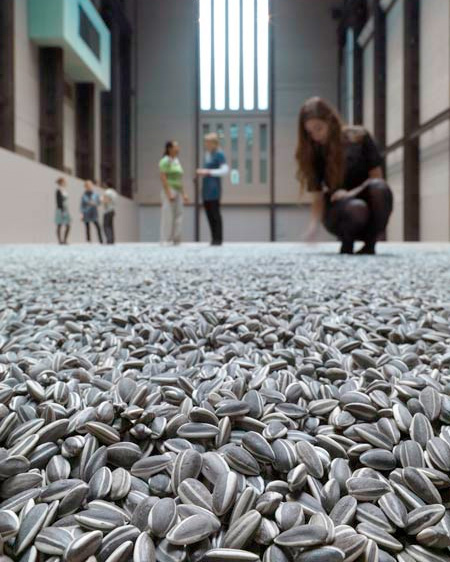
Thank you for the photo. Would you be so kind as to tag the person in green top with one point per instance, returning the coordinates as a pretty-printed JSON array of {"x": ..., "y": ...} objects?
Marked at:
[{"x": 173, "y": 195}]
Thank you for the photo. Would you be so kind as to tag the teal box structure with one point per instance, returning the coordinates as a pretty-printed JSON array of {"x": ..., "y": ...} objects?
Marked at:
[{"x": 76, "y": 27}]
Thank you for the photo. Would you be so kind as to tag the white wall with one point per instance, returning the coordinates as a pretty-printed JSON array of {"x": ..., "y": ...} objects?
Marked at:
[
  {"x": 435, "y": 184},
  {"x": 69, "y": 136},
  {"x": 394, "y": 176},
  {"x": 27, "y": 95},
  {"x": 166, "y": 89},
  {"x": 306, "y": 65},
  {"x": 26, "y": 75},
  {"x": 394, "y": 112},
  {"x": 369, "y": 85},
  {"x": 27, "y": 207},
  {"x": 434, "y": 98},
  {"x": 434, "y": 57},
  {"x": 394, "y": 72}
]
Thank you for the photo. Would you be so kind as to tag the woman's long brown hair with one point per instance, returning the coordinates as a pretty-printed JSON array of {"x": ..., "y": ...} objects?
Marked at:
[{"x": 316, "y": 108}]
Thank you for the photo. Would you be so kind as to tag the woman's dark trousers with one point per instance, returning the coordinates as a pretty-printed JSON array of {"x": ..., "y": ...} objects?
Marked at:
[
  {"x": 88, "y": 231},
  {"x": 214, "y": 216},
  {"x": 108, "y": 226},
  {"x": 364, "y": 217}
]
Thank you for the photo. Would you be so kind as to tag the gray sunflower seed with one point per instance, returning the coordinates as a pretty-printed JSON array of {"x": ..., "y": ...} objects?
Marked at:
[
  {"x": 421, "y": 430},
  {"x": 242, "y": 530},
  {"x": 9, "y": 524},
  {"x": 122, "y": 553},
  {"x": 191, "y": 530},
  {"x": 242, "y": 461},
  {"x": 366, "y": 489},
  {"x": 394, "y": 509},
  {"x": 30, "y": 527},
  {"x": 53, "y": 540},
  {"x": 100, "y": 484},
  {"x": 162, "y": 517},
  {"x": 378, "y": 459},
  {"x": 423, "y": 517},
  {"x": 144, "y": 549},
  {"x": 258, "y": 446},
  {"x": 149, "y": 466},
  {"x": 308, "y": 456},
  {"x": 421, "y": 485},
  {"x": 121, "y": 484},
  {"x": 193, "y": 491},
  {"x": 230, "y": 555},
  {"x": 224, "y": 493},
  {"x": 344, "y": 511},
  {"x": 188, "y": 464},
  {"x": 382, "y": 538},
  {"x": 113, "y": 540}
]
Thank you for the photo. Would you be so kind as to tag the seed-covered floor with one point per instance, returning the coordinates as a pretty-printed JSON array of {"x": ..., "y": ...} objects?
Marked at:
[{"x": 278, "y": 403}]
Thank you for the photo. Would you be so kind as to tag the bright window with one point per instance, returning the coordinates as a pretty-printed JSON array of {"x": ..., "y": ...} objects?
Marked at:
[{"x": 234, "y": 55}]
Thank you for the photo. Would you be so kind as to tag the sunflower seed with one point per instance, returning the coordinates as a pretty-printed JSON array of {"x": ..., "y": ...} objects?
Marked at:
[{"x": 162, "y": 517}]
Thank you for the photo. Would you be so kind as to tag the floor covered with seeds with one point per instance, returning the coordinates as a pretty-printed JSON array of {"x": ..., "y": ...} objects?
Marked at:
[{"x": 273, "y": 403}]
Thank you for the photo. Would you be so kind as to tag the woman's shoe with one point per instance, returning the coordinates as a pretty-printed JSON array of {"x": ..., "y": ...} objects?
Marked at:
[
  {"x": 347, "y": 247},
  {"x": 367, "y": 250}
]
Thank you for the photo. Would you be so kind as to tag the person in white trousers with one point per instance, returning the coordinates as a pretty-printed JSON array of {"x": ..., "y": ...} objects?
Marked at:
[{"x": 173, "y": 195}]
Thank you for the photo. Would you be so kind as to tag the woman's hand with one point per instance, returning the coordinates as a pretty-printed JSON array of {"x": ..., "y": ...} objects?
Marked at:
[
  {"x": 311, "y": 234},
  {"x": 171, "y": 197},
  {"x": 202, "y": 172},
  {"x": 340, "y": 194},
  {"x": 185, "y": 198}
]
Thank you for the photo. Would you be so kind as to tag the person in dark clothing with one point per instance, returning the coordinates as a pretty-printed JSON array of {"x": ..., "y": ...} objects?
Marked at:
[
  {"x": 90, "y": 203},
  {"x": 215, "y": 168},
  {"x": 62, "y": 216},
  {"x": 342, "y": 167}
]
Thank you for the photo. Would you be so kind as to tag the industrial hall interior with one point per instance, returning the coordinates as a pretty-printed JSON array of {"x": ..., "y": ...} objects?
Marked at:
[{"x": 225, "y": 281}]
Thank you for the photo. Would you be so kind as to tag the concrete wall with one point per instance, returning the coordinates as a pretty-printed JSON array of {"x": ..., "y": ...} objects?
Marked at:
[
  {"x": 394, "y": 113},
  {"x": 306, "y": 64},
  {"x": 166, "y": 89},
  {"x": 394, "y": 176},
  {"x": 435, "y": 98},
  {"x": 27, "y": 100},
  {"x": 26, "y": 77},
  {"x": 434, "y": 57},
  {"x": 369, "y": 85},
  {"x": 69, "y": 136},
  {"x": 27, "y": 207},
  {"x": 394, "y": 70}
]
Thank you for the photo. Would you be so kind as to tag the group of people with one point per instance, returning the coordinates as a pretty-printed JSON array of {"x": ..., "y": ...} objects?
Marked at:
[
  {"x": 90, "y": 204},
  {"x": 339, "y": 165},
  {"x": 174, "y": 195}
]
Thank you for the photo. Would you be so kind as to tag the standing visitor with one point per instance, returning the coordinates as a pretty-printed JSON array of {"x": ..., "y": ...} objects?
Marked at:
[
  {"x": 62, "y": 216},
  {"x": 109, "y": 211},
  {"x": 90, "y": 202},
  {"x": 342, "y": 168},
  {"x": 173, "y": 195},
  {"x": 215, "y": 168}
]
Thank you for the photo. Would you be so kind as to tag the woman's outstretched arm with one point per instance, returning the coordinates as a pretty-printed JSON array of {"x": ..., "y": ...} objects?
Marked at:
[{"x": 316, "y": 216}]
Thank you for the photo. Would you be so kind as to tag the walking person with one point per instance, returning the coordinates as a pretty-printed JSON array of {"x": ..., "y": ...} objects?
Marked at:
[
  {"x": 90, "y": 202},
  {"x": 109, "y": 211},
  {"x": 342, "y": 167},
  {"x": 62, "y": 216},
  {"x": 215, "y": 168},
  {"x": 173, "y": 196}
]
